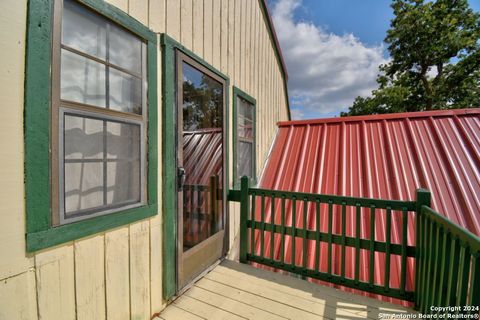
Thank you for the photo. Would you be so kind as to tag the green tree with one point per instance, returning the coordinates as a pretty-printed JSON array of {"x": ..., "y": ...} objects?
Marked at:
[{"x": 434, "y": 48}]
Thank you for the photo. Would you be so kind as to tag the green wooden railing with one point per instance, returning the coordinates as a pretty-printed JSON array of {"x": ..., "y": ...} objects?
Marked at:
[
  {"x": 445, "y": 253},
  {"x": 448, "y": 265}
]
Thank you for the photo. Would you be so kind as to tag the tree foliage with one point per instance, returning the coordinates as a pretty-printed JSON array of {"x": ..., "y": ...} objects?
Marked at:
[
  {"x": 434, "y": 48},
  {"x": 202, "y": 104}
]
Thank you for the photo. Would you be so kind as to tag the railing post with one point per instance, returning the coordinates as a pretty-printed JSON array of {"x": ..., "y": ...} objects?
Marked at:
[
  {"x": 422, "y": 198},
  {"x": 244, "y": 208}
]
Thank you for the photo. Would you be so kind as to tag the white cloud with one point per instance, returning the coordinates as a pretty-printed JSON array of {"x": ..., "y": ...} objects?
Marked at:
[
  {"x": 326, "y": 71},
  {"x": 297, "y": 113}
]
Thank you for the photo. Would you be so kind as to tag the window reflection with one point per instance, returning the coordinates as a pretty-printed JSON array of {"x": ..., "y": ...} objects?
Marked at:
[
  {"x": 125, "y": 50},
  {"x": 245, "y": 139},
  {"x": 83, "y": 31},
  {"x": 202, "y": 156},
  {"x": 82, "y": 80},
  {"x": 125, "y": 92},
  {"x": 91, "y": 76},
  {"x": 202, "y": 100}
]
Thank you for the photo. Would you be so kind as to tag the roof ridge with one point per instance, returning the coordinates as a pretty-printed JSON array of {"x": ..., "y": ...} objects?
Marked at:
[{"x": 376, "y": 117}]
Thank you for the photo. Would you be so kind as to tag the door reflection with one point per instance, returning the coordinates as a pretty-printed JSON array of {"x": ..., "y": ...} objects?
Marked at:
[{"x": 202, "y": 156}]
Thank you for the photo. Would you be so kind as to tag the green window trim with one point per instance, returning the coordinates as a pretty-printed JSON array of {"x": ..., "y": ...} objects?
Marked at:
[
  {"x": 169, "y": 121},
  {"x": 40, "y": 234},
  {"x": 239, "y": 93}
]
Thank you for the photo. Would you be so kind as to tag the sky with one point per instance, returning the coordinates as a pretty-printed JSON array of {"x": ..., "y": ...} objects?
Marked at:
[{"x": 332, "y": 50}]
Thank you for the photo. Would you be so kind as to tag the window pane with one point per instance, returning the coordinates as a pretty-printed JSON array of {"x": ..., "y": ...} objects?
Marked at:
[
  {"x": 83, "y": 30},
  {"x": 125, "y": 50},
  {"x": 244, "y": 118},
  {"x": 244, "y": 159},
  {"x": 82, "y": 80},
  {"x": 202, "y": 100},
  {"x": 102, "y": 164},
  {"x": 123, "y": 141},
  {"x": 83, "y": 138},
  {"x": 125, "y": 92},
  {"x": 246, "y": 109},
  {"x": 123, "y": 182},
  {"x": 202, "y": 146},
  {"x": 83, "y": 186}
]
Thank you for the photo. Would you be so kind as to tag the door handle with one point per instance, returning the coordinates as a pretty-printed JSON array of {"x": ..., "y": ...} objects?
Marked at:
[{"x": 181, "y": 178}]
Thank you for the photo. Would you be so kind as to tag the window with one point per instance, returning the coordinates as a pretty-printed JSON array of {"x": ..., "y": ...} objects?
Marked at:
[
  {"x": 244, "y": 144},
  {"x": 100, "y": 107},
  {"x": 91, "y": 120}
]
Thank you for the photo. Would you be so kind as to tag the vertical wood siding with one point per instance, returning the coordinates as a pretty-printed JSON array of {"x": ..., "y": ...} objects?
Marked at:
[{"x": 118, "y": 274}]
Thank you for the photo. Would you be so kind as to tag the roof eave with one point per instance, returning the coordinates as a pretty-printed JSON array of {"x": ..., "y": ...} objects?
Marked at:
[{"x": 278, "y": 51}]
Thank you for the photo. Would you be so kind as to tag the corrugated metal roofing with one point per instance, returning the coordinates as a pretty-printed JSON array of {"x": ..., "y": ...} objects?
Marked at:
[
  {"x": 202, "y": 152},
  {"x": 387, "y": 157},
  {"x": 202, "y": 159}
]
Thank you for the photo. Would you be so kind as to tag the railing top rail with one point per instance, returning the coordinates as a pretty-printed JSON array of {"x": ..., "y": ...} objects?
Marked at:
[
  {"x": 338, "y": 200},
  {"x": 457, "y": 231}
]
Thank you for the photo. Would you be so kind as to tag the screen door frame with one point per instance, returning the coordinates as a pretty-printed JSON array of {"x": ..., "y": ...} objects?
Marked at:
[{"x": 214, "y": 248}]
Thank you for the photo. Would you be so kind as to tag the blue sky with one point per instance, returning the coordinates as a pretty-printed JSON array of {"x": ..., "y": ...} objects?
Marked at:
[
  {"x": 366, "y": 19},
  {"x": 332, "y": 49}
]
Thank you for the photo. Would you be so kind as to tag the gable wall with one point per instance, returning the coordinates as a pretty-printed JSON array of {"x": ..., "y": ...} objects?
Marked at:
[{"x": 118, "y": 274}]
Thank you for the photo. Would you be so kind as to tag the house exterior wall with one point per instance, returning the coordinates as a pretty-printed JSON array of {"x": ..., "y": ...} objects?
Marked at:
[{"x": 117, "y": 274}]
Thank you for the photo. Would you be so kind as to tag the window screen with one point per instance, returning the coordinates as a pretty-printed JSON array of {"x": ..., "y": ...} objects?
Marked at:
[
  {"x": 245, "y": 151},
  {"x": 99, "y": 111}
]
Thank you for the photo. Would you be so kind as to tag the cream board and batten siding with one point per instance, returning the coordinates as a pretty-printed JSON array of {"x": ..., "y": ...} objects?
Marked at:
[{"x": 118, "y": 274}]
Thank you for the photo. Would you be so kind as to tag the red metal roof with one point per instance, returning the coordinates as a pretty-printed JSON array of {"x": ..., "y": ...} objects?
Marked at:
[
  {"x": 387, "y": 157},
  {"x": 202, "y": 152}
]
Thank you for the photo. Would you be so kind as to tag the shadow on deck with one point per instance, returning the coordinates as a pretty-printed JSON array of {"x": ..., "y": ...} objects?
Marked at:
[{"x": 238, "y": 291}]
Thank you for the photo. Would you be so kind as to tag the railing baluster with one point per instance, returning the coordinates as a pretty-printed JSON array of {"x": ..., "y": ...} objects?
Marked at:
[
  {"x": 357, "y": 244},
  {"x": 317, "y": 235},
  {"x": 262, "y": 226},
  {"x": 371, "y": 277},
  {"x": 464, "y": 274},
  {"x": 192, "y": 221},
  {"x": 330, "y": 230},
  {"x": 214, "y": 185},
  {"x": 253, "y": 224},
  {"x": 185, "y": 205},
  {"x": 475, "y": 294},
  {"x": 294, "y": 229},
  {"x": 387, "y": 248},
  {"x": 305, "y": 212},
  {"x": 344, "y": 234},
  {"x": 429, "y": 264},
  {"x": 199, "y": 209},
  {"x": 453, "y": 273},
  {"x": 282, "y": 248},
  {"x": 420, "y": 258},
  {"x": 443, "y": 269},
  {"x": 425, "y": 254},
  {"x": 435, "y": 261},
  {"x": 404, "y": 249},
  {"x": 272, "y": 221}
]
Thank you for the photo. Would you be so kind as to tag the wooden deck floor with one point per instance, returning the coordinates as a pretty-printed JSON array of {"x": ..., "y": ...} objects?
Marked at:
[{"x": 238, "y": 291}]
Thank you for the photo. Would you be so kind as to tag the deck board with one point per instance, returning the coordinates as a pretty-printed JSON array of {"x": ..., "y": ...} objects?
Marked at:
[
  {"x": 239, "y": 291},
  {"x": 172, "y": 312},
  {"x": 203, "y": 309}
]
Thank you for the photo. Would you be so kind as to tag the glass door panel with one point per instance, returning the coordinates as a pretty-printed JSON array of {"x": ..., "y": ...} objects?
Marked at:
[{"x": 200, "y": 161}]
